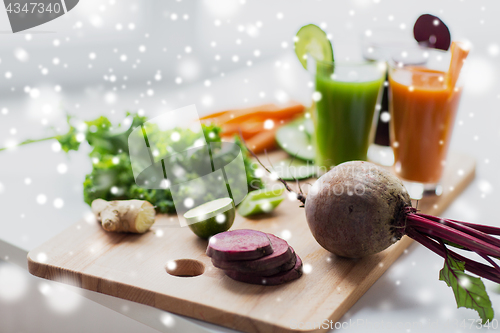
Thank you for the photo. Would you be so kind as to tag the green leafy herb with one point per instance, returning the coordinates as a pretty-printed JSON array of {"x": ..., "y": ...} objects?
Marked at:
[
  {"x": 469, "y": 291},
  {"x": 68, "y": 141},
  {"x": 112, "y": 177}
]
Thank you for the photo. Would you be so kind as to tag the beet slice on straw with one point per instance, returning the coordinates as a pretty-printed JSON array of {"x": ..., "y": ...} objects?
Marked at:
[{"x": 430, "y": 31}]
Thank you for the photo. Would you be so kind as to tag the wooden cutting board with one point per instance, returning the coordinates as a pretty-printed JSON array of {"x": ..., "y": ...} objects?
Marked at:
[{"x": 134, "y": 267}]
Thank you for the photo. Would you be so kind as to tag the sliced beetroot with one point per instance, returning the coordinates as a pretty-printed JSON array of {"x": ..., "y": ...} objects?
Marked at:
[
  {"x": 243, "y": 244},
  {"x": 282, "y": 254},
  {"x": 273, "y": 280},
  {"x": 272, "y": 271},
  {"x": 283, "y": 268},
  {"x": 431, "y": 32}
]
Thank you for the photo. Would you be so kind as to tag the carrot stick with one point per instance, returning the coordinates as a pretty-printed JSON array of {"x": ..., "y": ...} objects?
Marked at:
[
  {"x": 459, "y": 51},
  {"x": 228, "y": 112},
  {"x": 279, "y": 113},
  {"x": 247, "y": 129},
  {"x": 266, "y": 111},
  {"x": 263, "y": 141},
  {"x": 250, "y": 128}
]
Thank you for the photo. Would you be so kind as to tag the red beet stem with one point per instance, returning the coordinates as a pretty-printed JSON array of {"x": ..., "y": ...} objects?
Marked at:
[
  {"x": 483, "y": 228},
  {"x": 464, "y": 228},
  {"x": 452, "y": 235},
  {"x": 491, "y": 261},
  {"x": 484, "y": 256},
  {"x": 432, "y": 231},
  {"x": 479, "y": 227},
  {"x": 472, "y": 266}
]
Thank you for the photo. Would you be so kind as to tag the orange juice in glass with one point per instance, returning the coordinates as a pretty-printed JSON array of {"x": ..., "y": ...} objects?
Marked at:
[{"x": 423, "y": 106}]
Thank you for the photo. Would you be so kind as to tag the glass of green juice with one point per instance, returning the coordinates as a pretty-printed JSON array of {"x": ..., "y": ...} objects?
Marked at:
[{"x": 344, "y": 112}]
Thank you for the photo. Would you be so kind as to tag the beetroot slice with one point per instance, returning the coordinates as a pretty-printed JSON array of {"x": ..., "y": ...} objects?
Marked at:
[
  {"x": 273, "y": 280},
  {"x": 430, "y": 31},
  {"x": 282, "y": 254},
  {"x": 272, "y": 271},
  {"x": 283, "y": 268},
  {"x": 243, "y": 244}
]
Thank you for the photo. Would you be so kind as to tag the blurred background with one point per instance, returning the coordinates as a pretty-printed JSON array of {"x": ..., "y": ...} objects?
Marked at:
[{"x": 106, "y": 57}]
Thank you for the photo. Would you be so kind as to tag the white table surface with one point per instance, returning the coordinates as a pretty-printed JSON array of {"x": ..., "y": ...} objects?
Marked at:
[{"x": 408, "y": 296}]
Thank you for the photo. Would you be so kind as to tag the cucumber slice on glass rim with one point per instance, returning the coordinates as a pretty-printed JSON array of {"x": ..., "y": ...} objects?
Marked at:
[
  {"x": 211, "y": 217},
  {"x": 312, "y": 40}
]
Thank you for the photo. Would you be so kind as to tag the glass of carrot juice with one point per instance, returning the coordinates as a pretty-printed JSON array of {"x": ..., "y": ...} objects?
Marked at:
[{"x": 423, "y": 106}]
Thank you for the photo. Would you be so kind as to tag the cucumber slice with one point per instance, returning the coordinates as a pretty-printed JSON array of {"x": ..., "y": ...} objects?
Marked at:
[
  {"x": 294, "y": 169},
  {"x": 295, "y": 139},
  {"x": 211, "y": 217},
  {"x": 261, "y": 201},
  {"x": 265, "y": 193},
  {"x": 259, "y": 206},
  {"x": 308, "y": 126},
  {"x": 312, "y": 40}
]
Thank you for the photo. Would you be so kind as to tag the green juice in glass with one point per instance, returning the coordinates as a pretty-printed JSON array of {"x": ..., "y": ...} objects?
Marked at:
[{"x": 345, "y": 110}]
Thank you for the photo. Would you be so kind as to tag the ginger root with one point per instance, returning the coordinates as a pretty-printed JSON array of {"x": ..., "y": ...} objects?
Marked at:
[{"x": 135, "y": 216}]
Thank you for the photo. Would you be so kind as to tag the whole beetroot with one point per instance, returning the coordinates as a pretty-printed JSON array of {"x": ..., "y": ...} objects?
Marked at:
[{"x": 357, "y": 209}]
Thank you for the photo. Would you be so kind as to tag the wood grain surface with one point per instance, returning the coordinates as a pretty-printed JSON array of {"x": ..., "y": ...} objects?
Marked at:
[{"x": 134, "y": 267}]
